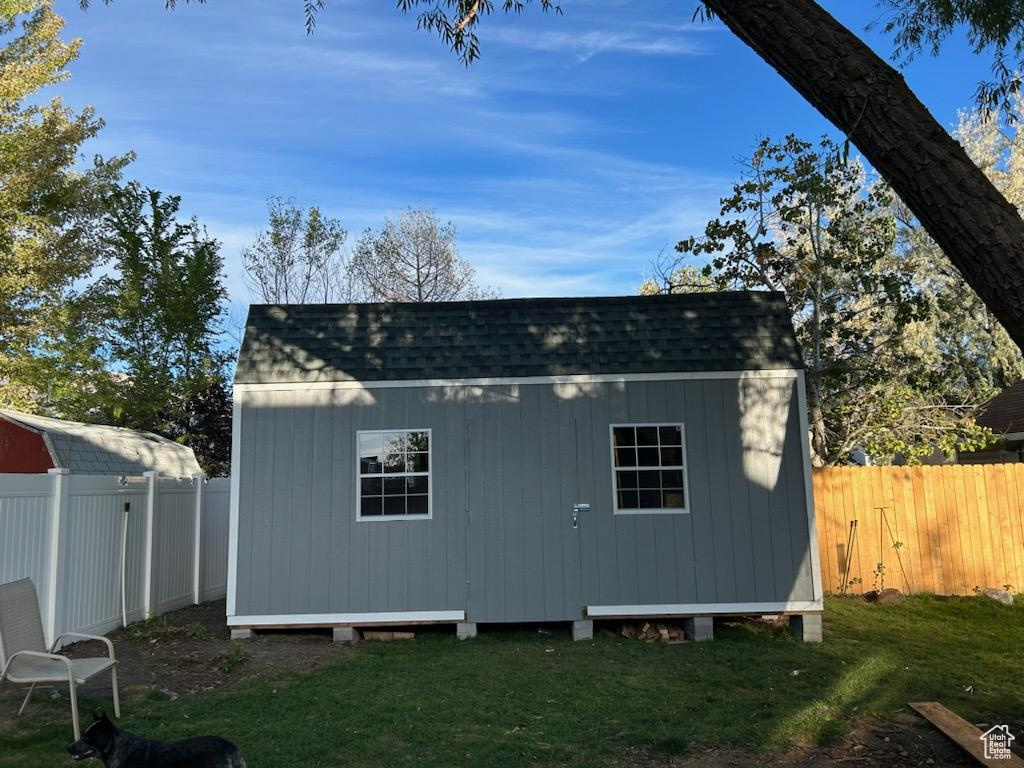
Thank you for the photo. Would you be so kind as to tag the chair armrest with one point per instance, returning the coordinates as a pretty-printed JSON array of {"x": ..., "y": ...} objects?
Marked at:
[
  {"x": 53, "y": 656},
  {"x": 104, "y": 640}
]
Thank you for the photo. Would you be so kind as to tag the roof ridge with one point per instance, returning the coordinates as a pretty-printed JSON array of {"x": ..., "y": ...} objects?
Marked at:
[{"x": 567, "y": 301}]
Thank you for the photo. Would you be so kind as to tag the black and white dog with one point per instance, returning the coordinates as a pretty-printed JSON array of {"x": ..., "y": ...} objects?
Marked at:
[{"x": 120, "y": 749}]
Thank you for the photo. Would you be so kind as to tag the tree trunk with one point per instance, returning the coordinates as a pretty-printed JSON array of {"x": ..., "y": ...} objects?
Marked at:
[{"x": 980, "y": 232}]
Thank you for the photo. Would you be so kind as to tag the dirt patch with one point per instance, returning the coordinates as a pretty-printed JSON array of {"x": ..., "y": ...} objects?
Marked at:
[
  {"x": 904, "y": 742},
  {"x": 189, "y": 651}
]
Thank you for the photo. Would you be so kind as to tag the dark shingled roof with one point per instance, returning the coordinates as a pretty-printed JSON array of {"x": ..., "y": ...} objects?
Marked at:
[
  {"x": 731, "y": 331},
  {"x": 1004, "y": 413}
]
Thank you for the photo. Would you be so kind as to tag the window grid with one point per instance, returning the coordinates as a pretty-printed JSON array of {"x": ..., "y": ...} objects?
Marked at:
[
  {"x": 649, "y": 468},
  {"x": 393, "y": 474}
]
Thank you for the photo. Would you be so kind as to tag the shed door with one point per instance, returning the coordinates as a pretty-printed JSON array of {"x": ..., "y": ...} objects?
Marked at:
[{"x": 523, "y": 478}]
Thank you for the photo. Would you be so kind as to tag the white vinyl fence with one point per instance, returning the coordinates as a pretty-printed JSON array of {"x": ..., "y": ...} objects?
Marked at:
[{"x": 81, "y": 538}]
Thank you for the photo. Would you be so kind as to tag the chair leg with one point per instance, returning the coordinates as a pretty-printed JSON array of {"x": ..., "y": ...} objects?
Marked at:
[
  {"x": 73, "y": 694},
  {"x": 27, "y": 697},
  {"x": 113, "y": 683}
]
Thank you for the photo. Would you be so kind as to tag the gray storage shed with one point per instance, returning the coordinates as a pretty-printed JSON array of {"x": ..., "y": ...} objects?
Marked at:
[{"x": 522, "y": 460}]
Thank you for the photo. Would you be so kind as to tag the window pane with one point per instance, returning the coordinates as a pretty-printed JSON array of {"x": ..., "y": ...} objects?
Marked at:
[
  {"x": 628, "y": 500},
  {"x": 625, "y": 457},
  {"x": 671, "y": 435},
  {"x": 394, "y": 505},
  {"x": 394, "y": 486},
  {"x": 671, "y": 457},
  {"x": 394, "y": 462},
  {"x": 647, "y": 457},
  {"x": 416, "y": 484},
  {"x": 370, "y": 505},
  {"x": 650, "y": 499},
  {"x": 649, "y": 479},
  {"x": 646, "y": 435},
  {"x": 623, "y": 436},
  {"x": 371, "y": 486},
  {"x": 417, "y": 441},
  {"x": 394, "y": 442},
  {"x": 371, "y": 449},
  {"x": 417, "y": 505},
  {"x": 370, "y": 465},
  {"x": 371, "y": 444},
  {"x": 672, "y": 478},
  {"x": 673, "y": 498},
  {"x": 626, "y": 479},
  {"x": 417, "y": 462}
]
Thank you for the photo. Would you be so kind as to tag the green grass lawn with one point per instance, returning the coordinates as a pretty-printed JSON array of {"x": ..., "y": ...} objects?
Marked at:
[{"x": 517, "y": 699}]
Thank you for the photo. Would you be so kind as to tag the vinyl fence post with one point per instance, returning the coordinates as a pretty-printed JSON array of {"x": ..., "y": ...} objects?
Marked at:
[
  {"x": 58, "y": 511},
  {"x": 147, "y": 588},
  {"x": 198, "y": 479}
]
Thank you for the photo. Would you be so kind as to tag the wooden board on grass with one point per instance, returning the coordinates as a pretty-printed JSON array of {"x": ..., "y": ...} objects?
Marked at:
[{"x": 962, "y": 732}]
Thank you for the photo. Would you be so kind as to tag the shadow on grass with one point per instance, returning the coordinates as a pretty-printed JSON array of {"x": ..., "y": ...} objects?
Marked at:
[{"x": 522, "y": 698}]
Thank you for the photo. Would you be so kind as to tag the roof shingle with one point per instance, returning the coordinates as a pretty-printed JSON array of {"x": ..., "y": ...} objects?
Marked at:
[{"x": 729, "y": 331}]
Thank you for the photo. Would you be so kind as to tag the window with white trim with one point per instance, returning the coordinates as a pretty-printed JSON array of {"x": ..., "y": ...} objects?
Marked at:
[
  {"x": 649, "y": 462},
  {"x": 394, "y": 474}
]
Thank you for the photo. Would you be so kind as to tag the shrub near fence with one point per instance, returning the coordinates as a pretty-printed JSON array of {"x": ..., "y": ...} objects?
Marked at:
[
  {"x": 67, "y": 532},
  {"x": 949, "y": 530}
]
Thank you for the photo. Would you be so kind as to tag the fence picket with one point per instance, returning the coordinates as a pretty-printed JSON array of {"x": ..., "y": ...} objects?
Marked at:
[
  {"x": 960, "y": 526},
  {"x": 76, "y": 568}
]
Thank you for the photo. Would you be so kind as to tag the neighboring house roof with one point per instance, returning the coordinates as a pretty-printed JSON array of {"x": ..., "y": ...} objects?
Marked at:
[
  {"x": 728, "y": 331},
  {"x": 96, "y": 449},
  {"x": 1004, "y": 413}
]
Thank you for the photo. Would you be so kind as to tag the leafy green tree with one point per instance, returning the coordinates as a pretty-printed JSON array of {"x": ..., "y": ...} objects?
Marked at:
[
  {"x": 414, "y": 258},
  {"x": 164, "y": 305},
  {"x": 50, "y": 214},
  {"x": 805, "y": 222}
]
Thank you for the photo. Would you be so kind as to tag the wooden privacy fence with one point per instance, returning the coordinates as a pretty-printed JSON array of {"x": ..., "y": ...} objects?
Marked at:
[
  {"x": 85, "y": 538},
  {"x": 947, "y": 529}
]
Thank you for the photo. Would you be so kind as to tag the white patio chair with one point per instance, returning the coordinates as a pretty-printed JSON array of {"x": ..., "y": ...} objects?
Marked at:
[{"x": 25, "y": 659}]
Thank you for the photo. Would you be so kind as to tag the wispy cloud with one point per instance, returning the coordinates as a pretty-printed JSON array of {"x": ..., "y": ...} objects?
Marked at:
[{"x": 584, "y": 47}]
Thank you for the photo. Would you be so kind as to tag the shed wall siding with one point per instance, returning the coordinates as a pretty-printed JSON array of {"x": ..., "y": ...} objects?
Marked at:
[{"x": 518, "y": 457}]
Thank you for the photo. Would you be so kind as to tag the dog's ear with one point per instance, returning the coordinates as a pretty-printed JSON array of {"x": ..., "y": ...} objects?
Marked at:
[{"x": 99, "y": 716}]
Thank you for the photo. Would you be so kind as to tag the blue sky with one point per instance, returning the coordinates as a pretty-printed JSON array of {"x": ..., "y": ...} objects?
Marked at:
[{"x": 576, "y": 149}]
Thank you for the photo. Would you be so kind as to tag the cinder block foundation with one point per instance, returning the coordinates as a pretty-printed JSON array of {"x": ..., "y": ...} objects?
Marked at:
[
  {"x": 347, "y": 635},
  {"x": 699, "y": 628},
  {"x": 241, "y": 634},
  {"x": 465, "y": 630},
  {"x": 583, "y": 630},
  {"x": 806, "y": 627}
]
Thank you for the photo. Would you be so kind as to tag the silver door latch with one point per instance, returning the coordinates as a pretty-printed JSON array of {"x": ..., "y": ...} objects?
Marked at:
[{"x": 576, "y": 509}]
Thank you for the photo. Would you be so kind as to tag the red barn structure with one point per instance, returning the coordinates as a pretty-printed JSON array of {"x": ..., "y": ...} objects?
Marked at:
[{"x": 30, "y": 444}]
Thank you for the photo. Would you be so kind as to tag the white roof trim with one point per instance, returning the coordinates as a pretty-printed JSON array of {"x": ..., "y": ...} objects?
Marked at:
[{"x": 587, "y": 378}]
